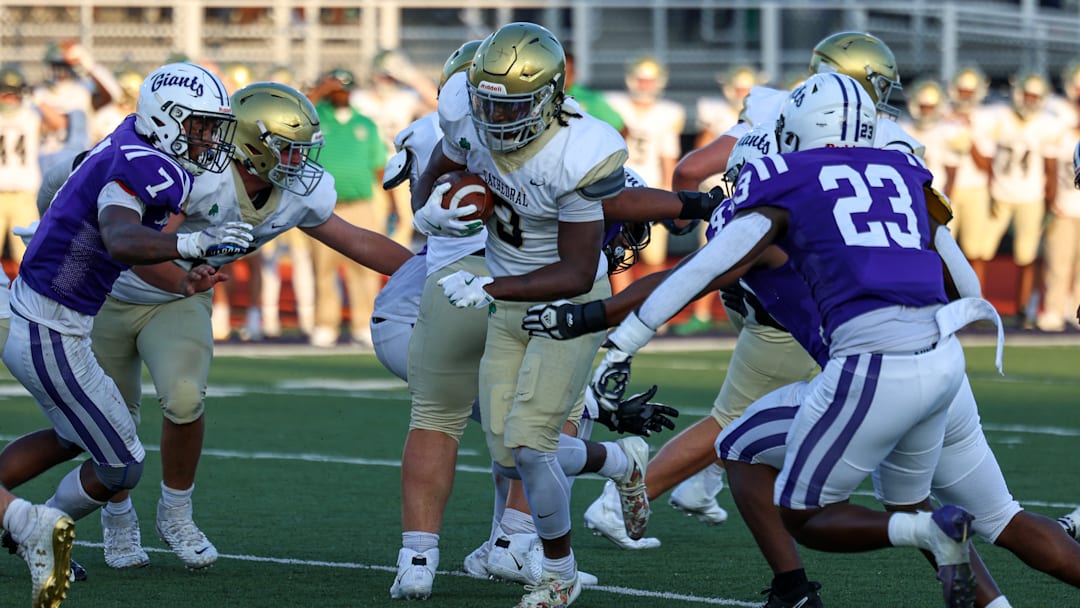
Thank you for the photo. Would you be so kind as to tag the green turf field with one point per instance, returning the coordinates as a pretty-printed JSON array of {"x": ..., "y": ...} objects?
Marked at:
[{"x": 299, "y": 491}]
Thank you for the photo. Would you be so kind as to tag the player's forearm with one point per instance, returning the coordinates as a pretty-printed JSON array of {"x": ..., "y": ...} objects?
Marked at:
[
  {"x": 556, "y": 281},
  {"x": 166, "y": 276},
  {"x": 137, "y": 244},
  {"x": 649, "y": 204},
  {"x": 618, "y": 306},
  {"x": 700, "y": 164}
]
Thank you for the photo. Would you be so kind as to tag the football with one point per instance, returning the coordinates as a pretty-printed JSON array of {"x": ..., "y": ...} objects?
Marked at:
[{"x": 467, "y": 189}]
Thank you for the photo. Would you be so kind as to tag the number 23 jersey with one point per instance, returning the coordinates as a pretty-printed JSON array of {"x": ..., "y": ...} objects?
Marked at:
[
  {"x": 859, "y": 231},
  {"x": 535, "y": 187}
]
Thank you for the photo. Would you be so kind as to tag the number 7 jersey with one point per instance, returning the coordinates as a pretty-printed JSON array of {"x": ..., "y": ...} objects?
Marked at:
[{"x": 859, "y": 232}]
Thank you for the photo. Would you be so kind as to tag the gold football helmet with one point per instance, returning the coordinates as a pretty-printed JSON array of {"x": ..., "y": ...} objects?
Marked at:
[
  {"x": 646, "y": 78},
  {"x": 12, "y": 87},
  {"x": 278, "y": 136},
  {"x": 516, "y": 85},
  {"x": 968, "y": 88},
  {"x": 459, "y": 60},
  {"x": 1029, "y": 93},
  {"x": 1070, "y": 80},
  {"x": 866, "y": 59},
  {"x": 736, "y": 83},
  {"x": 130, "y": 81},
  {"x": 926, "y": 102}
]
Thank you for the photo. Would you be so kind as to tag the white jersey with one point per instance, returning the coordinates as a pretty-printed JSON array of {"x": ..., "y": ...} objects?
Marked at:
[
  {"x": 392, "y": 109},
  {"x": 221, "y": 197},
  {"x": 1068, "y": 197},
  {"x": 935, "y": 139},
  {"x": 65, "y": 97},
  {"x": 1019, "y": 148},
  {"x": 399, "y": 299},
  {"x": 716, "y": 115},
  {"x": 20, "y": 136},
  {"x": 540, "y": 190},
  {"x": 421, "y": 137},
  {"x": 652, "y": 134},
  {"x": 764, "y": 104}
]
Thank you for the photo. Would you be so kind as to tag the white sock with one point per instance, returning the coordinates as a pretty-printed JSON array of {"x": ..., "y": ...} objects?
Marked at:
[
  {"x": 118, "y": 508},
  {"x": 999, "y": 602},
  {"x": 19, "y": 519},
  {"x": 564, "y": 567},
  {"x": 175, "y": 498},
  {"x": 516, "y": 522},
  {"x": 906, "y": 529},
  {"x": 419, "y": 541},
  {"x": 713, "y": 475},
  {"x": 71, "y": 497},
  {"x": 616, "y": 463}
]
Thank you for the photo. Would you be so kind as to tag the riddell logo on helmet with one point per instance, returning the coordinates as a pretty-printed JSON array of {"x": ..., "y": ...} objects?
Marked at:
[
  {"x": 492, "y": 87},
  {"x": 170, "y": 80}
]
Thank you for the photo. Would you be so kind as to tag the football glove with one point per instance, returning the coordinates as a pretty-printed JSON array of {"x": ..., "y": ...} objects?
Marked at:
[
  {"x": 638, "y": 416},
  {"x": 611, "y": 377},
  {"x": 229, "y": 238},
  {"x": 434, "y": 220},
  {"x": 563, "y": 320},
  {"x": 464, "y": 289}
]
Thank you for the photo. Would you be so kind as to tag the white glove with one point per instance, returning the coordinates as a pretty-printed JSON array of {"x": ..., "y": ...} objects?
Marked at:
[
  {"x": 464, "y": 289},
  {"x": 230, "y": 238},
  {"x": 26, "y": 232},
  {"x": 434, "y": 220},
  {"x": 611, "y": 378}
]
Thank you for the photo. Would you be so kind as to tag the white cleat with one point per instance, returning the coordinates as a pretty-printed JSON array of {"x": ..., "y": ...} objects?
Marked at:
[
  {"x": 178, "y": 530},
  {"x": 517, "y": 558},
  {"x": 1071, "y": 523},
  {"x": 123, "y": 541},
  {"x": 604, "y": 518},
  {"x": 694, "y": 498},
  {"x": 415, "y": 574},
  {"x": 476, "y": 562},
  {"x": 47, "y": 551},
  {"x": 551, "y": 592}
]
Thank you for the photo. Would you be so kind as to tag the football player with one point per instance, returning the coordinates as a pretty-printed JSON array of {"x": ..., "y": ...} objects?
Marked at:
[
  {"x": 20, "y": 173},
  {"x": 550, "y": 166},
  {"x": 861, "y": 411},
  {"x": 106, "y": 217}
]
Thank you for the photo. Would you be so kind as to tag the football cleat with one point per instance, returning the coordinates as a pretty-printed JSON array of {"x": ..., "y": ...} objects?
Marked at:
[
  {"x": 604, "y": 518},
  {"x": 949, "y": 539},
  {"x": 631, "y": 487},
  {"x": 476, "y": 562},
  {"x": 415, "y": 575},
  {"x": 78, "y": 572},
  {"x": 47, "y": 551},
  {"x": 123, "y": 541},
  {"x": 694, "y": 498},
  {"x": 551, "y": 592},
  {"x": 808, "y": 599},
  {"x": 178, "y": 530},
  {"x": 1071, "y": 523},
  {"x": 517, "y": 558}
]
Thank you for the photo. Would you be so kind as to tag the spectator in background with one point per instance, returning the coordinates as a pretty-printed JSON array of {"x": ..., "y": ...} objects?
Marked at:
[
  {"x": 715, "y": 115},
  {"x": 1061, "y": 248},
  {"x": 20, "y": 175},
  {"x": 591, "y": 101},
  {"x": 968, "y": 186},
  {"x": 398, "y": 94},
  {"x": 1023, "y": 177},
  {"x": 355, "y": 156},
  {"x": 653, "y": 128}
]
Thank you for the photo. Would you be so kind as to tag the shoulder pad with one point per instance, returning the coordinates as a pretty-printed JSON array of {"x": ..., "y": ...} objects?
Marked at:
[{"x": 605, "y": 187}]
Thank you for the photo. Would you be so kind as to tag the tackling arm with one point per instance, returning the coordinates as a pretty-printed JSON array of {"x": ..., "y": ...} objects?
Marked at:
[
  {"x": 572, "y": 275},
  {"x": 362, "y": 246},
  {"x": 700, "y": 164}
]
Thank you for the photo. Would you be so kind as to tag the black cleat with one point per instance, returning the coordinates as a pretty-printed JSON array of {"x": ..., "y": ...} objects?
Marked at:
[{"x": 808, "y": 599}]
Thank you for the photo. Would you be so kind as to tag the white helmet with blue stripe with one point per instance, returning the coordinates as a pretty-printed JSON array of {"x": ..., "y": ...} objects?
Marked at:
[{"x": 827, "y": 111}]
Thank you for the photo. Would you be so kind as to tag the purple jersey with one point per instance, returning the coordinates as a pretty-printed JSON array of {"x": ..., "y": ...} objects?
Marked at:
[
  {"x": 66, "y": 260},
  {"x": 782, "y": 293},
  {"x": 859, "y": 232}
]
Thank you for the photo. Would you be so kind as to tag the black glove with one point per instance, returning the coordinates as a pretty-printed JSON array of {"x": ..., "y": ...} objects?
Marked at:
[
  {"x": 562, "y": 320},
  {"x": 637, "y": 416},
  {"x": 699, "y": 205}
]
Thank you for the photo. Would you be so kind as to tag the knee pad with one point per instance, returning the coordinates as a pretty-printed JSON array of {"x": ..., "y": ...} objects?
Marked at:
[
  {"x": 119, "y": 478},
  {"x": 508, "y": 472},
  {"x": 184, "y": 403}
]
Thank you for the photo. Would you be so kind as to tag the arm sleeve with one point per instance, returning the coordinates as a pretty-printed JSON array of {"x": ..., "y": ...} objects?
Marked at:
[{"x": 963, "y": 275}]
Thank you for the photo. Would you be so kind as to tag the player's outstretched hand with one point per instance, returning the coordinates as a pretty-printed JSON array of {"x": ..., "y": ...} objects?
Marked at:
[
  {"x": 201, "y": 278},
  {"x": 637, "y": 415},
  {"x": 435, "y": 220},
  {"x": 228, "y": 238}
]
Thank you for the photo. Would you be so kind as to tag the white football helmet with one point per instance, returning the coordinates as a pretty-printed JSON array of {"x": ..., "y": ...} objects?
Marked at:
[
  {"x": 757, "y": 142},
  {"x": 827, "y": 111},
  {"x": 184, "y": 111}
]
